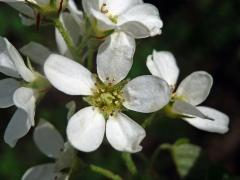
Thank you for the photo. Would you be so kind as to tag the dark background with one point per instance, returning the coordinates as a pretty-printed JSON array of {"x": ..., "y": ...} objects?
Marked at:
[{"x": 203, "y": 35}]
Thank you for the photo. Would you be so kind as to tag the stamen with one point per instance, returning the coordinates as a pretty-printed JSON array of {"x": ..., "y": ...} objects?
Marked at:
[{"x": 104, "y": 9}]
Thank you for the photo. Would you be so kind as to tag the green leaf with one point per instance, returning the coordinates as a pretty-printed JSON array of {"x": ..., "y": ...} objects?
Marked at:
[{"x": 185, "y": 156}]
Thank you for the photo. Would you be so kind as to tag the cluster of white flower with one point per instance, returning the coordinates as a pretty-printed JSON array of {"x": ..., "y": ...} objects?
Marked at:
[{"x": 114, "y": 25}]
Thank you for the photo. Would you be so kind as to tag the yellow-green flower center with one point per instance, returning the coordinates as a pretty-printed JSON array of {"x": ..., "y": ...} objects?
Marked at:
[{"x": 107, "y": 97}]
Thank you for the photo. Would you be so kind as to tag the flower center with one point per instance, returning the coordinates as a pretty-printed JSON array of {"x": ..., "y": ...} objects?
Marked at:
[
  {"x": 107, "y": 97},
  {"x": 105, "y": 11}
]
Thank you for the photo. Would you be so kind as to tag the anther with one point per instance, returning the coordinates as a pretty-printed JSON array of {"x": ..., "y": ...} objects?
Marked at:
[{"x": 104, "y": 9}]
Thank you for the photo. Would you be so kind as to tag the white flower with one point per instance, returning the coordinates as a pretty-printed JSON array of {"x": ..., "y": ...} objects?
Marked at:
[
  {"x": 17, "y": 93},
  {"x": 134, "y": 17},
  {"x": 51, "y": 143},
  {"x": 108, "y": 95},
  {"x": 191, "y": 92}
]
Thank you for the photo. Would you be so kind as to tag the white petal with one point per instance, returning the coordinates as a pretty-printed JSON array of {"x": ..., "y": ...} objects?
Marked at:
[
  {"x": 68, "y": 76},
  {"x": 18, "y": 127},
  {"x": 27, "y": 21},
  {"x": 76, "y": 13},
  {"x": 146, "y": 94},
  {"x": 9, "y": 52},
  {"x": 90, "y": 4},
  {"x": 103, "y": 22},
  {"x": 43, "y": 2},
  {"x": 118, "y": 7},
  {"x": 25, "y": 99},
  {"x": 163, "y": 64},
  {"x": 141, "y": 21},
  {"x": 218, "y": 122},
  {"x": 36, "y": 52},
  {"x": 48, "y": 139},
  {"x": 22, "y": 8},
  {"x": 7, "y": 89},
  {"x": 66, "y": 158},
  {"x": 26, "y": 13},
  {"x": 72, "y": 27},
  {"x": 7, "y": 66},
  {"x": 195, "y": 88},
  {"x": 124, "y": 134},
  {"x": 115, "y": 57},
  {"x": 186, "y": 109},
  {"x": 11, "y": 1},
  {"x": 86, "y": 129},
  {"x": 43, "y": 172}
]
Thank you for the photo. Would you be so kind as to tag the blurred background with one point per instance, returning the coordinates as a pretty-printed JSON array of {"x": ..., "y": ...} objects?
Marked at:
[{"x": 203, "y": 35}]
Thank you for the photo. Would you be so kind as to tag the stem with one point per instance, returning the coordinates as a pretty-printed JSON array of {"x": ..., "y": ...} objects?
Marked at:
[
  {"x": 148, "y": 121},
  {"x": 68, "y": 40},
  {"x": 90, "y": 58},
  {"x": 104, "y": 172},
  {"x": 127, "y": 157},
  {"x": 157, "y": 151}
]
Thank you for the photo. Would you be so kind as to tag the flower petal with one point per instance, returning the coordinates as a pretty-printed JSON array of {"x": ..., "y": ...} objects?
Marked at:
[
  {"x": 12, "y": 63},
  {"x": 7, "y": 89},
  {"x": 86, "y": 129},
  {"x": 27, "y": 21},
  {"x": 115, "y": 57},
  {"x": 43, "y": 172},
  {"x": 18, "y": 127},
  {"x": 163, "y": 64},
  {"x": 195, "y": 88},
  {"x": 92, "y": 9},
  {"x": 11, "y": 1},
  {"x": 25, "y": 99},
  {"x": 68, "y": 76},
  {"x": 48, "y": 139},
  {"x": 36, "y": 52},
  {"x": 141, "y": 21},
  {"x": 90, "y": 4},
  {"x": 118, "y": 7},
  {"x": 186, "y": 109},
  {"x": 124, "y": 134},
  {"x": 21, "y": 7},
  {"x": 66, "y": 158},
  {"x": 26, "y": 13},
  {"x": 76, "y": 13},
  {"x": 146, "y": 94},
  {"x": 217, "y": 123},
  {"x": 103, "y": 22}
]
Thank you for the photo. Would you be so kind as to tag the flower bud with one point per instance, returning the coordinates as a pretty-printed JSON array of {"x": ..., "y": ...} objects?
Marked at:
[{"x": 49, "y": 8}]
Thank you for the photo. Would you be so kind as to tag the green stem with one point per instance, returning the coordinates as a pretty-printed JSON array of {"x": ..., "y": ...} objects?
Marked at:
[
  {"x": 104, "y": 172},
  {"x": 156, "y": 153},
  {"x": 68, "y": 40},
  {"x": 127, "y": 157},
  {"x": 148, "y": 121},
  {"x": 90, "y": 59}
]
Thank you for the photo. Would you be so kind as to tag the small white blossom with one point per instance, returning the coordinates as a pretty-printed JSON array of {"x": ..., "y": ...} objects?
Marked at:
[
  {"x": 17, "y": 93},
  {"x": 134, "y": 17},
  {"x": 51, "y": 143},
  {"x": 191, "y": 92},
  {"x": 108, "y": 95}
]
